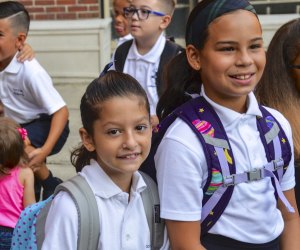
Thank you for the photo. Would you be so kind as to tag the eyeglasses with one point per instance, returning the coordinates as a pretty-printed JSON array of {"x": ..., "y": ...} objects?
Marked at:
[
  {"x": 295, "y": 66},
  {"x": 142, "y": 14}
]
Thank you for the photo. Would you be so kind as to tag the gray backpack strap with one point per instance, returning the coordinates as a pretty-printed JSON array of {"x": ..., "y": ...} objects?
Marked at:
[
  {"x": 87, "y": 208},
  {"x": 152, "y": 209},
  {"x": 40, "y": 224},
  {"x": 121, "y": 55}
]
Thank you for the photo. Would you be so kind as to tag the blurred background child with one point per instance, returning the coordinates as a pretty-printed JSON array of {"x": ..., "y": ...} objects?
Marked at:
[
  {"x": 120, "y": 22},
  {"x": 29, "y": 97},
  {"x": 16, "y": 179},
  {"x": 279, "y": 86}
]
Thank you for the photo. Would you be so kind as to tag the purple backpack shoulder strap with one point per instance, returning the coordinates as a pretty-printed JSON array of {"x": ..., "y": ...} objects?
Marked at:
[
  {"x": 204, "y": 121},
  {"x": 274, "y": 140}
]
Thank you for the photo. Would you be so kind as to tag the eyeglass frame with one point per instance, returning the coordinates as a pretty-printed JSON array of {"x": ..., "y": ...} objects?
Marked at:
[{"x": 136, "y": 11}]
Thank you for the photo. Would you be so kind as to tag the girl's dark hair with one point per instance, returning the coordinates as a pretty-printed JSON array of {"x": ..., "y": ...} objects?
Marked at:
[
  {"x": 181, "y": 79},
  {"x": 112, "y": 84},
  {"x": 11, "y": 145},
  {"x": 276, "y": 88}
]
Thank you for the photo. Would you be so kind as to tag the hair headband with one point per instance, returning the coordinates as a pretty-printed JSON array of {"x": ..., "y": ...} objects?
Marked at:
[
  {"x": 23, "y": 133},
  {"x": 208, "y": 10}
]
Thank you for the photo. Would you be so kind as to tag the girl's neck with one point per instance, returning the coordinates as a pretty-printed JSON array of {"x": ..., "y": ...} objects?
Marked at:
[{"x": 238, "y": 105}]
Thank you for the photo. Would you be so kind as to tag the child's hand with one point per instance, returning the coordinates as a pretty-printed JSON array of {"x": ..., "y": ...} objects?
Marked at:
[
  {"x": 36, "y": 158},
  {"x": 25, "y": 53}
]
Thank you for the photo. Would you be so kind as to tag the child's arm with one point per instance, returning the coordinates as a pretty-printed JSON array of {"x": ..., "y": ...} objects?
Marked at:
[
  {"x": 184, "y": 235},
  {"x": 25, "y": 53},
  {"x": 27, "y": 179},
  {"x": 58, "y": 122},
  {"x": 290, "y": 239}
]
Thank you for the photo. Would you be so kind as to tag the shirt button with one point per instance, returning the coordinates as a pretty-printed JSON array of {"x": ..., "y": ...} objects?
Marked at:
[{"x": 127, "y": 237}]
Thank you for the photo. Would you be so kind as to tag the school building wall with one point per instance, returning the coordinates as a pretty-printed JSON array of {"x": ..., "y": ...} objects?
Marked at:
[{"x": 73, "y": 39}]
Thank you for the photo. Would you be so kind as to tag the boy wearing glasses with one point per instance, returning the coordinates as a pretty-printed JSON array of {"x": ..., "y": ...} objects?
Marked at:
[{"x": 145, "y": 55}]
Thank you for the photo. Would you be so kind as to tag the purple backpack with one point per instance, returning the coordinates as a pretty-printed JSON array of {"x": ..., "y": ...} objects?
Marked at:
[{"x": 222, "y": 177}]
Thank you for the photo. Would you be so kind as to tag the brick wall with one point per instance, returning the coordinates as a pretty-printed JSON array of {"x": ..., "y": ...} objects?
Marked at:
[{"x": 62, "y": 9}]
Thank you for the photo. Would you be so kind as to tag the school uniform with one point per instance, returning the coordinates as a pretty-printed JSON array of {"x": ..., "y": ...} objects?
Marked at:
[
  {"x": 26, "y": 90},
  {"x": 29, "y": 98},
  {"x": 144, "y": 68},
  {"x": 123, "y": 39},
  {"x": 123, "y": 223},
  {"x": 251, "y": 215}
]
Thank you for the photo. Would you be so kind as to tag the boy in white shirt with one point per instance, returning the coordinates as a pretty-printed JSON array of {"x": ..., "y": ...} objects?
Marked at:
[
  {"x": 141, "y": 57},
  {"x": 28, "y": 96}
]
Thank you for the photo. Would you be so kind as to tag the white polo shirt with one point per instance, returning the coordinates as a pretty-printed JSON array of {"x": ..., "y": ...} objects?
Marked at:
[
  {"x": 26, "y": 90},
  {"x": 251, "y": 215},
  {"x": 144, "y": 68},
  {"x": 124, "y": 39},
  {"x": 123, "y": 223}
]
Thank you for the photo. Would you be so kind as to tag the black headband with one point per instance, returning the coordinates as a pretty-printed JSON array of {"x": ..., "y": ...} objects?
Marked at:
[{"x": 208, "y": 10}]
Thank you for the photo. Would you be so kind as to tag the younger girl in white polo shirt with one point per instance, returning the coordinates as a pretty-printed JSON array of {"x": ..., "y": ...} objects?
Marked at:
[{"x": 116, "y": 139}]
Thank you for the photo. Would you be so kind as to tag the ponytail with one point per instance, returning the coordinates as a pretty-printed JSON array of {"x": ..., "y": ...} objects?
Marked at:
[
  {"x": 81, "y": 157},
  {"x": 180, "y": 79}
]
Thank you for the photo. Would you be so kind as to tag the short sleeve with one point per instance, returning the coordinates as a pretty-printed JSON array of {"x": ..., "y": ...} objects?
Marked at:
[{"x": 179, "y": 163}]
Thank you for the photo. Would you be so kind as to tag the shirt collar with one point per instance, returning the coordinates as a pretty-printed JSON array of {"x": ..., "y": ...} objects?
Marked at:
[
  {"x": 14, "y": 66},
  {"x": 228, "y": 116},
  {"x": 102, "y": 184},
  {"x": 153, "y": 55},
  {"x": 124, "y": 39}
]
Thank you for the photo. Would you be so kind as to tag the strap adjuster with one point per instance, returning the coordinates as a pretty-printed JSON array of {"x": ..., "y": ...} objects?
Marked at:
[
  {"x": 234, "y": 179},
  {"x": 229, "y": 180},
  {"x": 278, "y": 164},
  {"x": 254, "y": 175}
]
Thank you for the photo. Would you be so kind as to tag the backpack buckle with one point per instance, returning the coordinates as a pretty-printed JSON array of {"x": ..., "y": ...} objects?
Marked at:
[
  {"x": 254, "y": 175},
  {"x": 229, "y": 180},
  {"x": 278, "y": 164}
]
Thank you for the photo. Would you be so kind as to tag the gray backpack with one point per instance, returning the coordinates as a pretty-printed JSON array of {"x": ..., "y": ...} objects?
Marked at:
[{"x": 27, "y": 235}]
